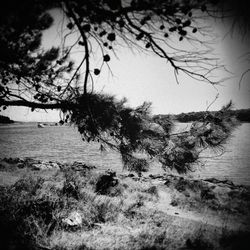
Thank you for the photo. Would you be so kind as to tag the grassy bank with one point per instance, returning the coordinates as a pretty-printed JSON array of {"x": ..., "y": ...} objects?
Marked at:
[{"x": 56, "y": 206}]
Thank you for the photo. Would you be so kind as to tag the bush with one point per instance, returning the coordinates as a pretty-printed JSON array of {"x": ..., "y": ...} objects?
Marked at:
[
  {"x": 153, "y": 191},
  {"x": 239, "y": 240},
  {"x": 27, "y": 223},
  {"x": 28, "y": 219},
  {"x": 198, "y": 244},
  {"x": 105, "y": 183},
  {"x": 139, "y": 165},
  {"x": 30, "y": 185},
  {"x": 149, "y": 240}
]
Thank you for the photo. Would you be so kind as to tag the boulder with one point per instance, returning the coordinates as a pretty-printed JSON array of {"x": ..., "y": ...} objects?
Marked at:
[
  {"x": 39, "y": 166},
  {"x": 12, "y": 160},
  {"x": 155, "y": 176},
  {"x": 45, "y": 166},
  {"x": 20, "y": 165},
  {"x": 74, "y": 219},
  {"x": 2, "y": 166},
  {"x": 216, "y": 181},
  {"x": 29, "y": 160},
  {"x": 130, "y": 175},
  {"x": 54, "y": 165},
  {"x": 79, "y": 166}
]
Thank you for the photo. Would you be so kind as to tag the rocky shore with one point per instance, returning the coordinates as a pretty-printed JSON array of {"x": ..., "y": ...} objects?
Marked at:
[
  {"x": 75, "y": 206},
  {"x": 5, "y": 120}
]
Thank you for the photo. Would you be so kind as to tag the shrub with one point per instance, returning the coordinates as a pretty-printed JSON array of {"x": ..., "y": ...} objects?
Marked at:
[
  {"x": 174, "y": 203},
  {"x": 27, "y": 223},
  {"x": 149, "y": 240},
  {"x": 199, "y": 242},
  {"x": 239, "y": 240},
  {"x": 27, "y": 219},
  {"x": 30, "y": 185},
  {"x": 153, "y": 191},
  {"x": 137, "y": 165},
  {"x": 207, "y": 194},
  {"x": 105, "y": 183}
]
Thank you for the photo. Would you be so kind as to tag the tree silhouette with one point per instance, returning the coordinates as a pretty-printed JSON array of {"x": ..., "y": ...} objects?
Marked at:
[{"x": 47, "y": 79}]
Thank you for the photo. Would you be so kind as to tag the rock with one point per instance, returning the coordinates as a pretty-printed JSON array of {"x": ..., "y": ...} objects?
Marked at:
[
  {"x": 20, "y": 165},
  {"x": 155, "y": 176},
  {"x": 74, "y": 219},
  {"x": 190, "y": 142},
  {"x": 39, "y": 166},
  {"x": 186, "y": 193},
  {"x": 145, "y": 179},
  {"x": 130, "y": 175},
  {"x": 152, "y": 190},
  {"x": 54, "y": 165},
  {"x": 2, "y": 166},
  {"x": 228, "y": 182},
  {"x": 79, "y": 166},
  {"x": 29, "y": 160},
  {"x": 136, "y": 178},
  {"x": 174, "y": 203},
  {"x": 216, "y": 181},
  {"x": 12, "y": 160},
  {"x": 181, "y": 185},
  {"x": 10, "y": 164},
  {"x": 167, "y": 182},
  {"x": 45, "y": 166}
]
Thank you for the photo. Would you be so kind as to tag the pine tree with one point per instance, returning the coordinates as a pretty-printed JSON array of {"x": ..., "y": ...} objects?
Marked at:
[{"x": 47, "y": 79}]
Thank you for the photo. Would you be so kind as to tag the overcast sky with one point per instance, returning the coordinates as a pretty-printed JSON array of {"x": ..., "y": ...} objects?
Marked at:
[{"x": 143, "y": 77}]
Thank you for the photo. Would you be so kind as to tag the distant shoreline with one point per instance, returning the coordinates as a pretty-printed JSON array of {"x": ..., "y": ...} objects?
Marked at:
[
  {"x": 5, "y": 120},
  {"x": 243, "y": 115}
]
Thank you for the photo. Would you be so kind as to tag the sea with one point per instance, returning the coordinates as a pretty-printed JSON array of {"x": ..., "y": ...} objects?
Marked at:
[{"x": 64, "y": 144}]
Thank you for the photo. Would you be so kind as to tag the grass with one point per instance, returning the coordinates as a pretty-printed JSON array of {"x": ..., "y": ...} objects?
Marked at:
[
  {"x": 33, "y": 208},
  {"x": 115, "y": 214},
  {"x": 239, "y": 240},
  {"x": 201, "y": 195},
  {"x": 199, "y": 241}
]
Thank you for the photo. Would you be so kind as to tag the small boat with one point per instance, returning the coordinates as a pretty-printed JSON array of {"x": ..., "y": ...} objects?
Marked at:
[{"x": 40, "y": 125}]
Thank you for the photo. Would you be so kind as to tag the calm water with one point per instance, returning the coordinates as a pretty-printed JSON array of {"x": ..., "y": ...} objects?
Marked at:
[{"x": 64, "y": 144}]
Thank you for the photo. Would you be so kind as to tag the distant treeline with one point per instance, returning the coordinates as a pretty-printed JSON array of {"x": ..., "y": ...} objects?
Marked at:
[
  {"x": 242, "y": 115},
  {"x": 5, "y": 119}
]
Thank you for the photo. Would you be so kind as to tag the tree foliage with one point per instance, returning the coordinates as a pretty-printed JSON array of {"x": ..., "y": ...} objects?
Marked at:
[
  {"x": 32, "y": 76},
  {"x": 48, "y": 79}
]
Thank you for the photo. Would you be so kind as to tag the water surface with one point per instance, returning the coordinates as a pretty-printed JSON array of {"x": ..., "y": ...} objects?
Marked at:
[{"x": 64, "y": 144}]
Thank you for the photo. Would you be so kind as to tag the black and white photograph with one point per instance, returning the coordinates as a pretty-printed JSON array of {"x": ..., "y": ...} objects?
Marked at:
[{"x": 124, "y": 125}]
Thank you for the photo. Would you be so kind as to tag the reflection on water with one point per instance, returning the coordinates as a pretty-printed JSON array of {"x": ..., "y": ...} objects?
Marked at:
[{"x": 64, "y": 144}]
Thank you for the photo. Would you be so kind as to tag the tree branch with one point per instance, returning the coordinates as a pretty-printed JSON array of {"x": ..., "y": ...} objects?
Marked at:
[
  {"x": 85, "y": 43},
  {"x": 59, "y": 105}
]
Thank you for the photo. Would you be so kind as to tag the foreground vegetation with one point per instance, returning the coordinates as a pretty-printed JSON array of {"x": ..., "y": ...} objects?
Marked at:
[{"x": 74, "y": 206}]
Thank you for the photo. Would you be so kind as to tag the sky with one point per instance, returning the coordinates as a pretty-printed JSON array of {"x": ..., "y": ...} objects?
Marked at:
[{"x": 145, "y": 77}]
